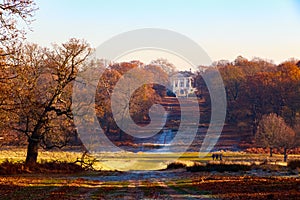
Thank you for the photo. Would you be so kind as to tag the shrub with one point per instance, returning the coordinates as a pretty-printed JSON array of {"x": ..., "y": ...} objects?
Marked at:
[
  {"x": 58, "y": 166},
  {"x": 219, "y": 167},
  {"x": 294, "y": 164},
  {"x": 10, "y": 168},
  {"x": 176, "y": 165}
]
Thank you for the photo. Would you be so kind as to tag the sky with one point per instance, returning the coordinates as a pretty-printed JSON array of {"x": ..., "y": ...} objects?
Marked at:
[{"x": 225, "y": 29}]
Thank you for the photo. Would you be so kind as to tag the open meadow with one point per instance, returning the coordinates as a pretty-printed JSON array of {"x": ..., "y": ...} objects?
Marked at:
[
  {"x": 124, "y": 161},
  {"x": 178, "y": 181}
]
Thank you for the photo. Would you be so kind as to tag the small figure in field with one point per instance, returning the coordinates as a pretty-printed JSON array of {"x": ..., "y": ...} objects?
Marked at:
[
  {"x": 217, "y": 156},
  {"x": 221, "y": 157},
  {"x": 213, "y": 156}
]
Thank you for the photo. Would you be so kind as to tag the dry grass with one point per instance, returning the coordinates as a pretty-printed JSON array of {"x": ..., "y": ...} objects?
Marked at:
[
  {"x": 19, "y": 155},
  {"x": 162, "y": 185},
  {"x": 106, "y": 161}
]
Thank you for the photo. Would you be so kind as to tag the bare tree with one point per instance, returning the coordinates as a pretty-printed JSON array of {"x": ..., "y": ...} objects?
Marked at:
[
  {"x": 273, "y": 132},
  {"x": 15, "y": 18},
  {"x": 42, "y": 93},
  {"x": 165, "y": 65},
  {"x": 286, "y": 140}
]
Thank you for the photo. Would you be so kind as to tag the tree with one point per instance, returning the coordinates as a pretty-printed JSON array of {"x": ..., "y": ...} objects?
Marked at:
[
  {"x": 287, "y": 79},
  {"x": 220, "y": 63},
  {"x": 140, "y": 99},
  {"x": 5, "y": 90},
  {"x": 160, "y": 75},
  {"x": 258, "y": 98},
  {"x": 241, "y": 61},
  {"x": 273, "y": 132},
  {"x": 12, "y": 13},
  {"x": 255, "y": 88},
  {"x": 287, "y": 140},
  {"x": 234, "y": 79},
  {"x": 168, "y": 67},
  {"x": 273, "y": 91},
  {"x": 42, "y": 91}
]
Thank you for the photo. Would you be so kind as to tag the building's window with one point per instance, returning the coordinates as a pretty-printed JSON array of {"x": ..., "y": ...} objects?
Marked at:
[
  {"x": 181, "y": 84},
  {"x": 188, "y": 83},
  {"x": 176, "y": 85},
  {"x": 181, "y": 91}
]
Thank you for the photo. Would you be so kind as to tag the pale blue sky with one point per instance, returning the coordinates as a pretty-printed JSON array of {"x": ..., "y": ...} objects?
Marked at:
[{"x": 224, "y": 28}]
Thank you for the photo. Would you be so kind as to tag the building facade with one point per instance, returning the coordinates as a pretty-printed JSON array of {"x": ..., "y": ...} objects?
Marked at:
[{"x": 182, "y": 83}]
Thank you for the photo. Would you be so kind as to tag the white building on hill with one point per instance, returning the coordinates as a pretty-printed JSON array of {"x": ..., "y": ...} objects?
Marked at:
[{"x": 182, "y": 83}]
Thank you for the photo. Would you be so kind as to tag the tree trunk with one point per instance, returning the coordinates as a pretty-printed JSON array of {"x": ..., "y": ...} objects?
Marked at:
[
  {"x": 285, "y": 155},
  {"x": 120, "y": 134},
  {"x": 32, "y": 151},
  {"x": 271, "y": 151}
]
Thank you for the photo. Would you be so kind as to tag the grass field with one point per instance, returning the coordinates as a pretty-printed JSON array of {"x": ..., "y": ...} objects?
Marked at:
[
  {"x": 264, "y": 183},
  {"x": 125, "y": 161},
  {"x": 148, "y": 185}
]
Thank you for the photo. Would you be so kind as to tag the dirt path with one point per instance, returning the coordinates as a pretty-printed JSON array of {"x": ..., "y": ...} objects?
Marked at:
[{"x": 176, "y": 184}]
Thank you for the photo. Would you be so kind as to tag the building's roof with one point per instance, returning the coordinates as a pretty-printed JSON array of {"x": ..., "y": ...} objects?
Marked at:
[{"x": 183, "y": 73}]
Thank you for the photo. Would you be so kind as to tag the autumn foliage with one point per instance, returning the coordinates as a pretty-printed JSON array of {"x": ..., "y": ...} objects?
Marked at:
[{"x": 255, "y": 88}]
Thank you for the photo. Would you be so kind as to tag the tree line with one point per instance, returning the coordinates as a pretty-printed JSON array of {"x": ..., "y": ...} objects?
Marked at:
[{"x": 257, "y": 89}]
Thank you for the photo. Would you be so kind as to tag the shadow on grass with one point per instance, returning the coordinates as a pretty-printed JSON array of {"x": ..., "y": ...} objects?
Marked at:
[
  {"x": 213, "y": 187},
  {"x": 11, "y": 168}
]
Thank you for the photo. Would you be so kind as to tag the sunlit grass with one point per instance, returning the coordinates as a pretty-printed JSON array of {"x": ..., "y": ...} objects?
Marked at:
[
  {"x": 19, "y": 155},
  {"x": 137, "y": 161}
]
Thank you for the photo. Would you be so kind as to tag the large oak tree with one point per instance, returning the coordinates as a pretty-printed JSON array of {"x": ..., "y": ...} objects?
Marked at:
[{"x": 41, "y": 93}]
